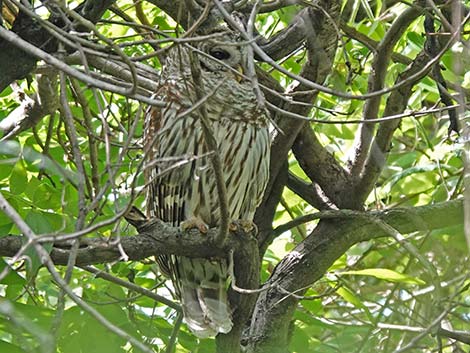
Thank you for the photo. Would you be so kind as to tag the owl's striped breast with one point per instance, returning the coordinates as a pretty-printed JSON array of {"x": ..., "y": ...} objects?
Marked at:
[{"x": 240, "y": 129}]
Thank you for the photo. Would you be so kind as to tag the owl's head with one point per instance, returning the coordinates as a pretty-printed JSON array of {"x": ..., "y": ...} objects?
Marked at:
[{"x": 222, "y": 53}]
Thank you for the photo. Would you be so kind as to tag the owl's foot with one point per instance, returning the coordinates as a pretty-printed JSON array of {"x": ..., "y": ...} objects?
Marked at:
[
  {"x": 194, "y": 223},
  {"x": 243, "y": 225}
]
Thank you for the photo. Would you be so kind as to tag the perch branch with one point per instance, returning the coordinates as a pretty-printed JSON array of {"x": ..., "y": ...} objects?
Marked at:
[{"x": 157, "y": 237}]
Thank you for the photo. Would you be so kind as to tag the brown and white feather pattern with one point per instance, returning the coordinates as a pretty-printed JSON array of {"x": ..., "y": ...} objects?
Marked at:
[{"x": 181, "y": 183}]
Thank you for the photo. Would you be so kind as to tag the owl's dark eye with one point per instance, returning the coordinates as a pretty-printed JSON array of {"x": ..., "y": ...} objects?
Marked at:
[{"x": 220, "y": 54}]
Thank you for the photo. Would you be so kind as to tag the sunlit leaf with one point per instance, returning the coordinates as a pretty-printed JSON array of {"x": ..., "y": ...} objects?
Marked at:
[
  {"x": 18, "y": 179},
  {"x": 386, "y": 274}
]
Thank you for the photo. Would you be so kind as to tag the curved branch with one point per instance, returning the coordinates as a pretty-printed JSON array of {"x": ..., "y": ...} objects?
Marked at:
[
  {"x": 310, "y": 260},
  {"x": 60, "y": 65},
  {"x": 321, "y": 48},
  {"x": 380, "y": 145},
  {"x": 289, "y": 39},
  {"x": 155, "y": 237},
  {"x": 376, "y": 82},
  {"x": 323, "y": 168}
]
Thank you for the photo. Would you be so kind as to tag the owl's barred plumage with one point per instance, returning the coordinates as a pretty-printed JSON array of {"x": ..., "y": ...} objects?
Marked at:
[{"x": 180, "y": 180}]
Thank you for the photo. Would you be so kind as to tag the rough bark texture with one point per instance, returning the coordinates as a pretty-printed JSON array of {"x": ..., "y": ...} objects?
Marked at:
[
  {"x": 309, "y": 260},
  {"x": 156, "y": 237}
]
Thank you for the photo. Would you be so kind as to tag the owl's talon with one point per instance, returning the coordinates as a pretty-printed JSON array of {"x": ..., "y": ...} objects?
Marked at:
[
  {"x": 232, "y": 227},
  {"x": 194, "y": 223},
  {"x": 243, "y": 225}
]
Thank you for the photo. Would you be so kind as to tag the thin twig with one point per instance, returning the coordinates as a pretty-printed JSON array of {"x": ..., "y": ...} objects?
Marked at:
[
  {"x": 412, "y": 114},
  {"x": 233, "y": 283},
  {"x": 106, "y": 276},
  {"x": 174, "y": 333},
  {"x": 264, "y": 57},
  {"x": 250, "y": 64},
  {"x": 89, "y": 25},
  {"x": 13, "y": 38}
]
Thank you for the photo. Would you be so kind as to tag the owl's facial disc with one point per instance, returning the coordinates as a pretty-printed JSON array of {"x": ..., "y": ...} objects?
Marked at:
[
  {"x": 220, "y": 54},
  {"x": 225, "y": 57}
]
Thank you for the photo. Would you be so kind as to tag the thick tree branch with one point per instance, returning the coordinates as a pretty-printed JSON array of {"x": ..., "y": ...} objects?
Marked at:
[
  {"x": 302, "y": 267},
  {"x": 322, "y": 168},
  {"x": 380, "y": 146},
  {"x": 321, "y": 48},
  {"x": 291, "y": 38},
  {"x": 308, "y": 192},
  {"x": 154, "y": 238},
  {"x": 158, "y": 238},
  {"x": 311, "y": 259},
  {"x": 376, "y": 83}
]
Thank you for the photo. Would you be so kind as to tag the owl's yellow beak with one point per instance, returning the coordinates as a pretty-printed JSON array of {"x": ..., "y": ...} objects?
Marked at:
[{"x": 239, "y": 69}]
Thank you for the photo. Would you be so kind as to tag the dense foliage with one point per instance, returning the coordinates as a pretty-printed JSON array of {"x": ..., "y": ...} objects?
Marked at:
[{"x": 71, "y": 166}]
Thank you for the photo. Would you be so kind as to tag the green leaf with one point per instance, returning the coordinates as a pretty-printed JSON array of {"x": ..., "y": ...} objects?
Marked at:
[
  {"x": 10, "y": 348},
  {"x": 12, "y": 277},
  {"x": 39, "y": 225},
  {"x": 80, "y": 333},
  {"x": 350, "y": 297},
  {"x": 314, "y": 306},
  {"x": 36, "y": 315},
  {"x": 18, "y": 179},
  {"x": 386, "y": 274},
  {"x": 300, "y": 341},
  {"x": 6, "y": 167},
  {"x": 7, "y": 91}
]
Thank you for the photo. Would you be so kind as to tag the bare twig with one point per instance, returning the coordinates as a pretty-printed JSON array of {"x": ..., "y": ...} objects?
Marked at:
[
  {"x": 308, "y": 83},
  {"x": 90, "y": 26},
  {"x": 174, "y": 334},
  {"x": 106, "y": 276},
  {"x": 60, "y": 65}
]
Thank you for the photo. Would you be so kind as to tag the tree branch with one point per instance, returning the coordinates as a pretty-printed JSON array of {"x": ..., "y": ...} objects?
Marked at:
[
  {"x": 31, "y": 111},
  {"x": 321, "y": 48},
  {"x": 376, "y": 82},
  {"x": 308, "y": 192},
  {"x": 380, "y": 146},
  {"x": 155, "y": 237},
  {"x": 338, "y": 231},
  {"x": 322, "y": 168},
  {"x": 311, "y": 259},
  {"x": 33, "y": 32}
]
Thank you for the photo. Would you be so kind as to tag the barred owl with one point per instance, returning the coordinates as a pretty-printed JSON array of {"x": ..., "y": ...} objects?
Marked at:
[{"x": 181, "y": 186}]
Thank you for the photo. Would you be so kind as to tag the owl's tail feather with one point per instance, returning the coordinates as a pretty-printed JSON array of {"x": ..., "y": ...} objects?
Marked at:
[{"x": 203, "y": 291}]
